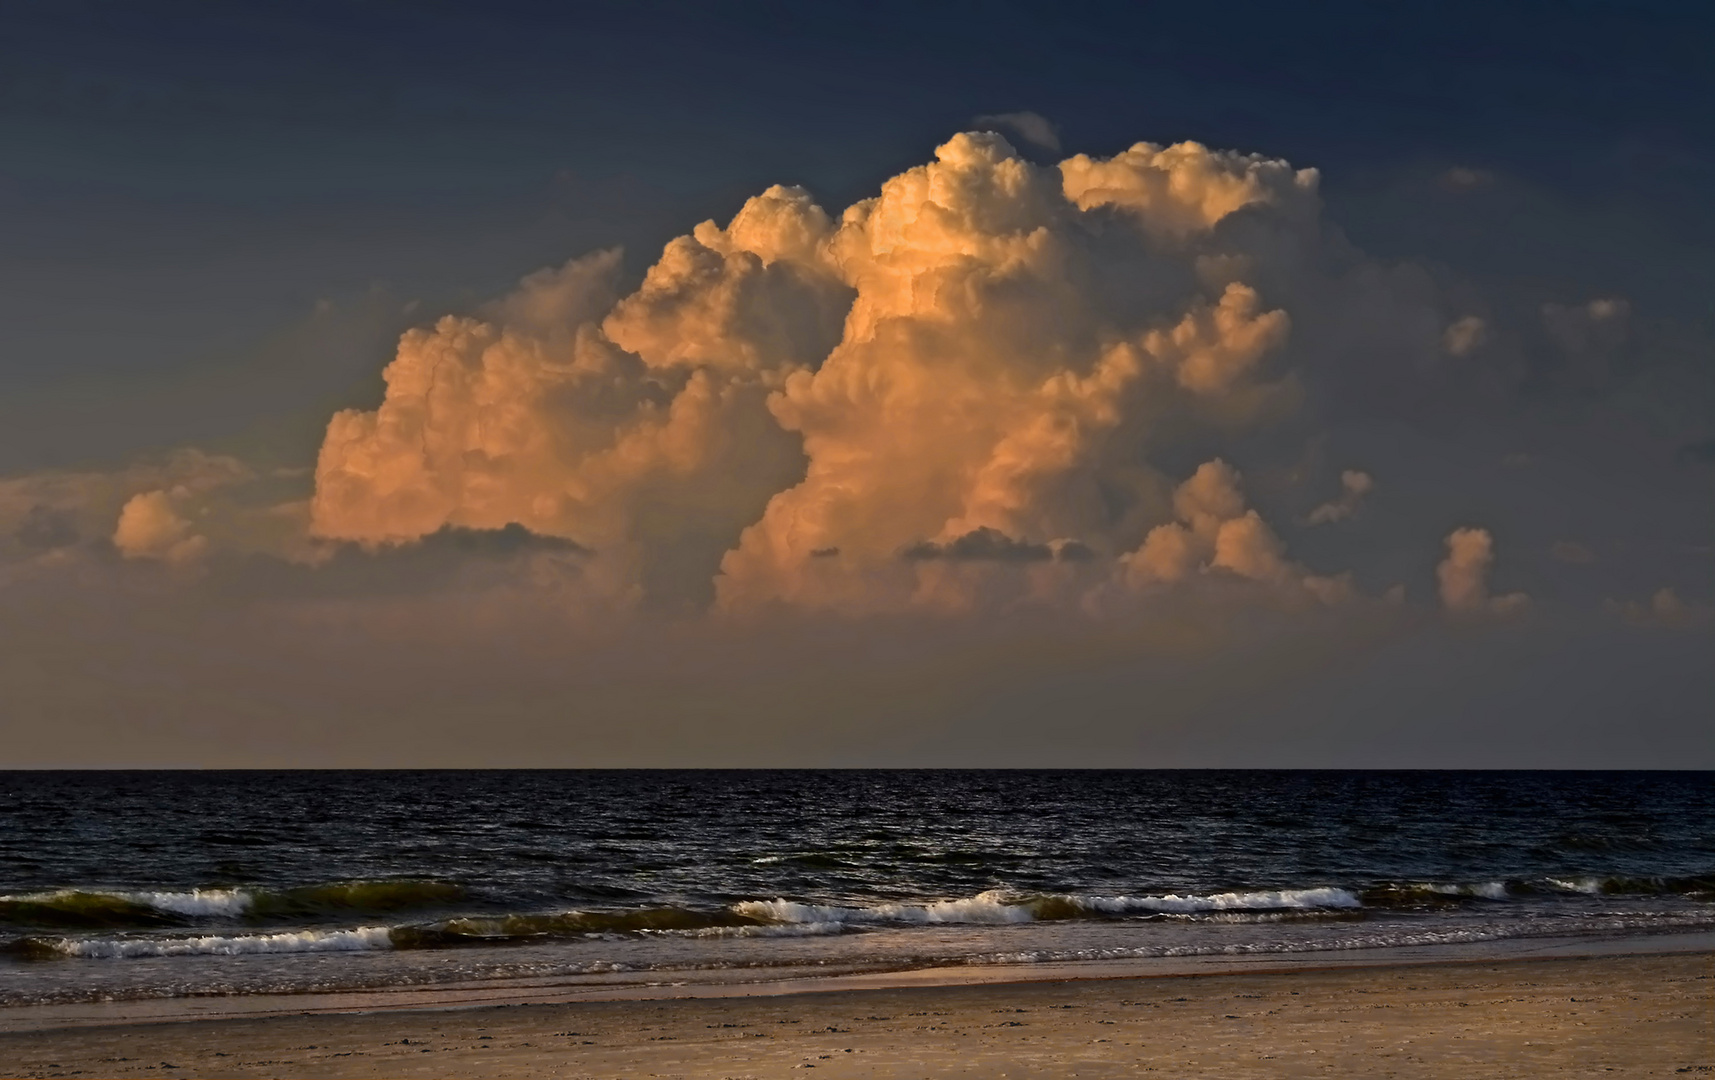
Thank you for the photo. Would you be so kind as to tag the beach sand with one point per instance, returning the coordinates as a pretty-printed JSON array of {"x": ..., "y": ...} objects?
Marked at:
[{"x": 1651, "y": 1015}]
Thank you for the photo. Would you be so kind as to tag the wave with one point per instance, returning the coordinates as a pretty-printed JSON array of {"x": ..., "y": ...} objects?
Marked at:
[
  {"x": 479, "y": 929},
  {"x": 514, "y": 929},
  {"x": 1698, "y": 886},
  {"x": 1429, "y": 894},
  {"x": 988, "y": 907},
  {"x": 999, "y": 906},
  {"x": 146, "y": 908},
  {"x": 1277, "y": 900},
  {"x": 1438, "y": 894},
  {"x": 360, "y": 939},
  {"x": 356, "y": 900},
  {"x": 121, "y": 907},
  {"x": 141, "y": 916}
]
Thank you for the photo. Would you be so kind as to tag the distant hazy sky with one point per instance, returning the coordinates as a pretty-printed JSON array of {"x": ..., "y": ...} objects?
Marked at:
[{"x": 1062, "y": 384}]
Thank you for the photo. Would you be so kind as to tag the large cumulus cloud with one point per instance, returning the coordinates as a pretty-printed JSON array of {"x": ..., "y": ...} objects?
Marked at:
[{"x": 791, "y": 410}]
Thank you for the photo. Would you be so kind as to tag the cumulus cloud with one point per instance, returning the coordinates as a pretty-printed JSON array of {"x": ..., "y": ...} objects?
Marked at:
[
  {"x": 1464, "y": 576},
  {"x": 978, "y": 369},
  {"x": 55, "y": 514},
  {"x": 1203, "y": 504},
  {"x": 639, "y": 429},
  {"x": 1033, "y": 128},
  {"x": 1354, "y": 485},
  {"x": 150, "y": 527},
  {"x": 1214, "y": 534}
]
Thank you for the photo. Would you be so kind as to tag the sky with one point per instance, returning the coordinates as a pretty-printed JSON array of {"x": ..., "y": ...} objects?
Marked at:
[{"x": 435, "y": 384}]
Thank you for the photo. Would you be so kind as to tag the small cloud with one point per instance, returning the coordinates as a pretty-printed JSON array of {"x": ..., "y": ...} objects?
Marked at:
[
  {"x": 1579, "y": 327},
  {"x": 1463, "y": 577},
  {"x": 150, "y": 527},
  {"x": 1466, "y": 336},
  {"x": 1463, "y": 178},
  {"x": 1354, "y": 485},
  {"x": 1033, "y": 128},
  {"x": 1665, "y": 611},
  {"x": 1519, "y": 460},
  {"x": 1571, "y": 551},
  {"x": 1701, "y": 452},
  {"x": 1588, "y": 335},
  {"x": 824, "y": 553}
]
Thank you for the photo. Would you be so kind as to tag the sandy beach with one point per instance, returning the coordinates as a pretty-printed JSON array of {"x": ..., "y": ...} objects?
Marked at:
[{"x": 1637, "y": 1015}]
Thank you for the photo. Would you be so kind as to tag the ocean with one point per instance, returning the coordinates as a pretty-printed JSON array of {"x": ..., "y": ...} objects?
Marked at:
[{"x": 135, "y": 885}]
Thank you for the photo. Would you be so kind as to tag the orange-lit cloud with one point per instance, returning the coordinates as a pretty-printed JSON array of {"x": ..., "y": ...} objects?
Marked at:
[
  {"x": 1464, "y": 576},
  {"x": 1354, "y": 485},
  {"x": 150, "y": 527},
  {"x": 891, "y": 410},
  {"x": 143, "y": 508}
]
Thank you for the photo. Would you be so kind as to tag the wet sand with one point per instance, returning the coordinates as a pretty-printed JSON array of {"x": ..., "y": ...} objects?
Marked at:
[{"x": 1646, "y": 1015}]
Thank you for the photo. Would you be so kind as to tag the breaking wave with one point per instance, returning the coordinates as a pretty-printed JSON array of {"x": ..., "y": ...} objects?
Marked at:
[
  {"x": 360, "y": 939},
  {"x": 145, "y": 908},
  {"x": 1001, "y": 906},
  {"x": 80, "y": 907}
]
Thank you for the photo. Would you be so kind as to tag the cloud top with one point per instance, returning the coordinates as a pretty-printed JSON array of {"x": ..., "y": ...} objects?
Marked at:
[{"x": 1033, "y": 128}]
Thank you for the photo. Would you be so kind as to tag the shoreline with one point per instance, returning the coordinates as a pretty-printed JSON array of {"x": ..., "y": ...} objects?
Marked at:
[
  {"x": 1631, "y": 1014},
  {"x": 691, "y": 985}
]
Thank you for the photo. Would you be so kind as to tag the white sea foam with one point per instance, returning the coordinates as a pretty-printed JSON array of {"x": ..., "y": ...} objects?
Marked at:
[
  {"x": 193, "y": 902},
  {"x": 1488, "y": 890},
  {"x": 999, "y": 907},
  {"x": 363, "y": 938},
  {"x": 1589, "y": 885},
  {"x": 1275, "y": 900},
  {"x": 225, "y": 902},
  {"x": 986, "y": 908}
]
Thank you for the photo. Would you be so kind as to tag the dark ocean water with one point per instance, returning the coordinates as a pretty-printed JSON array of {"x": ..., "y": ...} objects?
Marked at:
[{"x": 116, "y": 885}]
